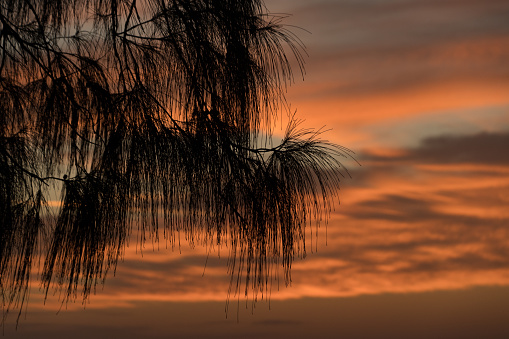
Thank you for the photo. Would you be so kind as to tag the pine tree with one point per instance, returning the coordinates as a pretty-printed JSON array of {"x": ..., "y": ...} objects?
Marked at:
[{"x": 150, "y": 114}]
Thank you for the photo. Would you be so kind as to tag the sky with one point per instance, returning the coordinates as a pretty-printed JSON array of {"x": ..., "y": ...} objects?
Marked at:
[{"x": 419, "y": 244}]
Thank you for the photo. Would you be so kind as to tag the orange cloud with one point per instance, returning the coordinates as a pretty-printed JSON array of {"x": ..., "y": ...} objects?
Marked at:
[{"x": 427, "y": 218}]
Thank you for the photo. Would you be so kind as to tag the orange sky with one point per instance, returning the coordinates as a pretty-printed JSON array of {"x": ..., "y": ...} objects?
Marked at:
[{"x": 420, "y": 91}]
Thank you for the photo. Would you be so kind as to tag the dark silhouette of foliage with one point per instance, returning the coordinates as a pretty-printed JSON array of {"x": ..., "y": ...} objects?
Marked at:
[{"x": 150, "y": 114}]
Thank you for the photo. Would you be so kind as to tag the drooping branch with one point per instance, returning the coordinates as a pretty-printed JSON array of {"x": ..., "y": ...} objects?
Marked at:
[{"x": 146, "y": 114}]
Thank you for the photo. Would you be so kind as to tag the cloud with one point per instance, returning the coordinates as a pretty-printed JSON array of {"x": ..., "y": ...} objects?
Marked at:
[
  {"x": 487, "y": 148},
  {"x": 404, "y": 228},
  {"x": 373, "y": 63},
  {"x": 417, "y": 220},
  {"x": 481, "y": 148}
]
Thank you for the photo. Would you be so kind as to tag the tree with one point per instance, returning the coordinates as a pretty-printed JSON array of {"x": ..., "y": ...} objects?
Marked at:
[{"x": 155, "y": 114}]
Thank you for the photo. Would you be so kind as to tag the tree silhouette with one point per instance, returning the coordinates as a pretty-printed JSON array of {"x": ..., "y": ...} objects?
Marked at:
[{"x": 150, "y": 114}]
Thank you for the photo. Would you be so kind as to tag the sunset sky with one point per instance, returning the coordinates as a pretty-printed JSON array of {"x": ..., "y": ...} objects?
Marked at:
[{"x": 418, "y": 247}]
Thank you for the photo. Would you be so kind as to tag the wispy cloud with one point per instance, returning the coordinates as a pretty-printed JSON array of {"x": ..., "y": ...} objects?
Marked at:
[
  {"x": 377, "y": 69},
  {"x": 482, "y": 148},
  {"x": 427, "y": 218}
]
